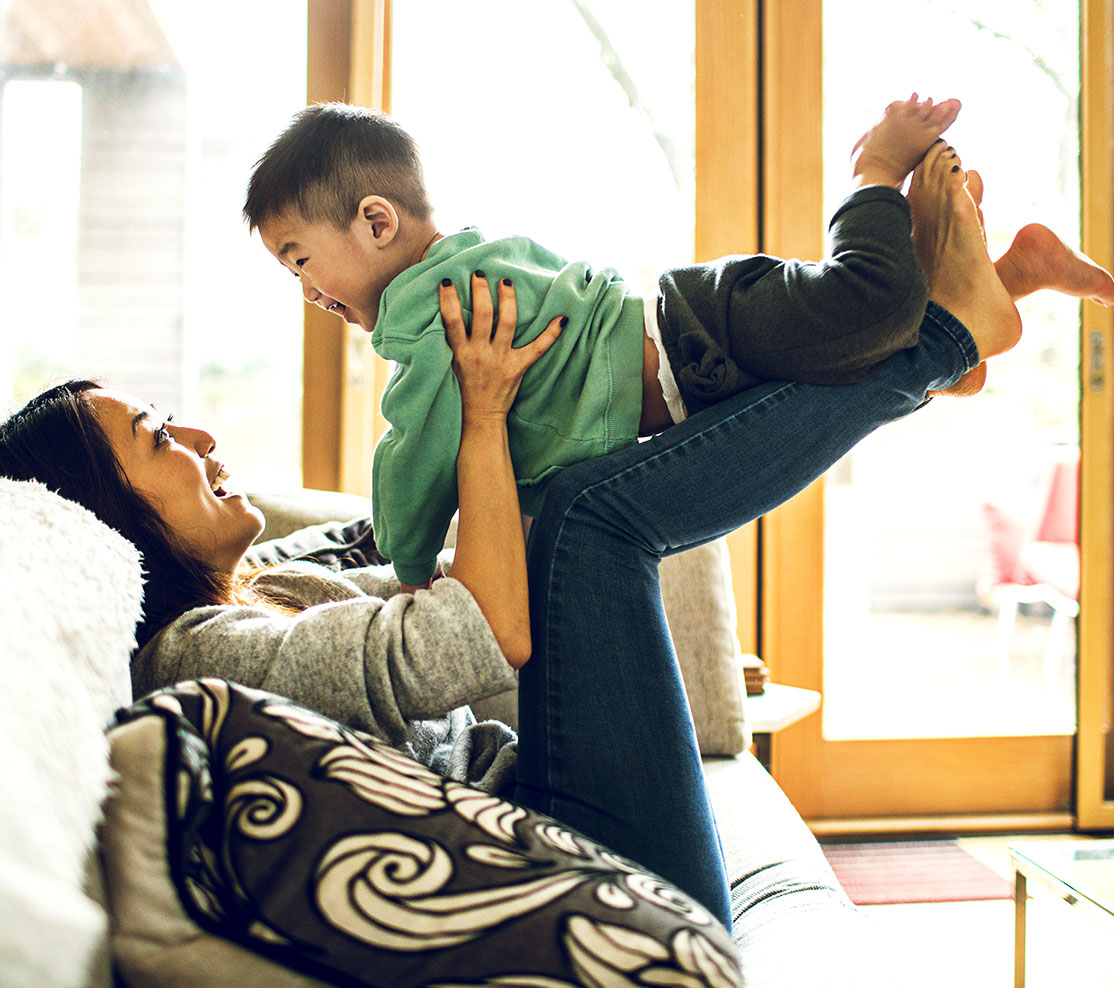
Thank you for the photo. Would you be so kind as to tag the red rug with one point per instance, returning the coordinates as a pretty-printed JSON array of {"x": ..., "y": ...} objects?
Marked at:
[{"x": 876, "y": 874}]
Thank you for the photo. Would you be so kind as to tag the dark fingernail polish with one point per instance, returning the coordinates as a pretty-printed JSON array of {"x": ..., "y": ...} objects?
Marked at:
[
  {"x": 478, "y": 274},
  {"x": 507, "y": 282},
  {"x": 564, "y": 321},
  {"x": 446, "y": 282},
  {"x": 955, "y": 168}
]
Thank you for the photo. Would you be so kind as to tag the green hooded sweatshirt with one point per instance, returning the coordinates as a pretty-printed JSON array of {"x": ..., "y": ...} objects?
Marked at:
[{"x": 582, "y": 399}]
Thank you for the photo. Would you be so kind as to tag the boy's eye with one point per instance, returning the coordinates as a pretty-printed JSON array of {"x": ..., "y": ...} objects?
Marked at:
[{"x": 300, "y": 261}]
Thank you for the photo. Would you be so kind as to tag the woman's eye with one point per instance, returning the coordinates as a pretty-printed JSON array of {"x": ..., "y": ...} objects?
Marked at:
[
  {"x": 301, "y": 260},
  {"x": 163, "y": 435}
]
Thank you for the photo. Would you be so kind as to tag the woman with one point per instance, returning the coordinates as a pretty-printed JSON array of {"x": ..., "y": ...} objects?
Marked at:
[
  {"x": 392, "y": 658},
  {"x": 626, "y": 772}
]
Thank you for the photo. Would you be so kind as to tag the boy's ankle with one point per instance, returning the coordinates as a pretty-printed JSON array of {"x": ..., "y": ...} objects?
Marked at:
[
  {"x": 873, "y": 174},
  {"x": 868, "y": 167}
]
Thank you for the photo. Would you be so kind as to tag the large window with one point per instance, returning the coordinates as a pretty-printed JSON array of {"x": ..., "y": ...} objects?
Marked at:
[
  {"x": 127, "y": 133},
  {"x": 952, "y": 564},
  {"x": 567, "y": 121}
]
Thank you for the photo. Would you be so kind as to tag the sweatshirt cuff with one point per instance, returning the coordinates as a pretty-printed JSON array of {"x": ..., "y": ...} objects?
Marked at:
[
  {"x": 871, "y": 193},
  {"x": 415, "y": 573}
]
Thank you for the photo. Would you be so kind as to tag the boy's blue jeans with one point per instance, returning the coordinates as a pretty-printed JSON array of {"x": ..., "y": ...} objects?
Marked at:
[{"x": 606, "y": 741}]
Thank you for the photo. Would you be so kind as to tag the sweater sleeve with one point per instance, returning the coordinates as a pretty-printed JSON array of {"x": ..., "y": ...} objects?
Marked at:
[
  {"x": 370, "y": 663},
  {"x": 413, "y": 477}
]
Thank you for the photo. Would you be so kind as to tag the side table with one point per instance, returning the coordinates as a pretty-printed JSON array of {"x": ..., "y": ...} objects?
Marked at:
[
  {"x": 1079, "y": 872},
  {"x": 777, "y": 708}
]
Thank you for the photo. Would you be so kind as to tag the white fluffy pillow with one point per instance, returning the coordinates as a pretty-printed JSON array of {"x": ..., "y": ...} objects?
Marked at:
[{"x": 69, "y": 604}]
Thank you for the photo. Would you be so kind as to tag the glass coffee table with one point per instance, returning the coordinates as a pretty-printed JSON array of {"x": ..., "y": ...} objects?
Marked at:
[{"x": 1081, "y": 872}]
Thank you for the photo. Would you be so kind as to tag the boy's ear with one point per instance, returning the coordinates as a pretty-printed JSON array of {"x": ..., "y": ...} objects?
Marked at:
[{"x": 378, "y": 219}]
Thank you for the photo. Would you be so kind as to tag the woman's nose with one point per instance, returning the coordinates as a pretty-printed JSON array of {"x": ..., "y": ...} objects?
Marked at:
[{"x": 197, "y": 439}]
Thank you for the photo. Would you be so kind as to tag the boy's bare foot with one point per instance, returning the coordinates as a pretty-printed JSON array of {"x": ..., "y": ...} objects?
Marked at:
[
  {"x": 1038, "y": 259},
  {"x": 889, "y": 151},
  {"x": 948, "y": 240}
]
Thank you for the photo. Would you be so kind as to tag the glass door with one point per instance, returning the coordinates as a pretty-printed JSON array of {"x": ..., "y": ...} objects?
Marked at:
[
  {"x": 951, "y": 540},
  {"x": 570, "y": 123},
  {"x": 949, "y": 586}
]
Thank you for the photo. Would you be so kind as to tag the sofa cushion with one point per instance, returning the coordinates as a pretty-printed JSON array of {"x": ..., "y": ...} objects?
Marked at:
[
  {"x": 336, "y": 856},
  {"x": 699, "y": 603},
  {"x": 784, "y": 893},
  {"x": 69, "y": 606},
  {"x": 699, "y": 600}
]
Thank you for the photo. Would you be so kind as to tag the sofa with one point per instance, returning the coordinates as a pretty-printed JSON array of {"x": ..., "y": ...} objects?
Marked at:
[{"x": 84, "y": 890}]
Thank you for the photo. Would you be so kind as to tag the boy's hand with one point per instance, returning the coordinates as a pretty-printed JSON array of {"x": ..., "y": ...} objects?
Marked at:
[{"x": 488, "y": 367}]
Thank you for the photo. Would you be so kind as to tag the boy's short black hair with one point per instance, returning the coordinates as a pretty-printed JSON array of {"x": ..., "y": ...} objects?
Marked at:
[{"x": 330, "y": 157}]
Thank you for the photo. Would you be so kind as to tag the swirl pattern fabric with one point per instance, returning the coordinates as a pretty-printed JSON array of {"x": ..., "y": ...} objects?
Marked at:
[{"x": 335, "y": 854}]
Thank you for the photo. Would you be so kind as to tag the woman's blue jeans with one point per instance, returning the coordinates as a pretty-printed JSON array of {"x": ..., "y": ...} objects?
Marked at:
[{"x": 606, "y": 741}]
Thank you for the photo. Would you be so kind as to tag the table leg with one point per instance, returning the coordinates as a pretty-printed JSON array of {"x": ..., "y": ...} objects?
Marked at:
[
  {"x": 763, "y": 749},
  {"x": 1020, "y": 896}
]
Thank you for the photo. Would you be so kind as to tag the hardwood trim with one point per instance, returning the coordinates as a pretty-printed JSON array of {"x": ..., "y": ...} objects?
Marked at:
[
  {"x": 1096, "y": 621},
  {"x": 996, "y": 823},
  {"x": 950, "y": 775},
  {"x": 726, "y": 206},
  {"x": 327, "y": 57},
  {"x": 343, "y": 380},
  {"x": 727, "y": 121},
  {"x": 793, "y": 226},
  {"x": 365, "y": 374},
  {"x": 370, "y": 72}
]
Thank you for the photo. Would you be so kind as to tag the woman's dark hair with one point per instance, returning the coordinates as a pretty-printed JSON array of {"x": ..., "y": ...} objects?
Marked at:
[{"x": 57, "y": 440}]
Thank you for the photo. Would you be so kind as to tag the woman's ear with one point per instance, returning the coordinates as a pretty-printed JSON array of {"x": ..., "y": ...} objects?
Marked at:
[{"x": 378, "y": 219}]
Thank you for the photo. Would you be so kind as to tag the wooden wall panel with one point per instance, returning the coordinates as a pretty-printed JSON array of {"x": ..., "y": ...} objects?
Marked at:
[{"x": 728, "y": 140}]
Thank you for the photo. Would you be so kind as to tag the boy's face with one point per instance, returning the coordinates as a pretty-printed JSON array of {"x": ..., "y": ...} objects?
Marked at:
[{"x": 341, "y": 271}]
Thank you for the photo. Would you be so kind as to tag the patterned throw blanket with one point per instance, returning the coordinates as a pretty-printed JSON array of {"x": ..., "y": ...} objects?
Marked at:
[{"x": 337, "y": 855}]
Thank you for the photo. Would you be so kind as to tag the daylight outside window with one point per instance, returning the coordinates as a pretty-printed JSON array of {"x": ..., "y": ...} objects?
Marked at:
[
  {"x": 589, "y": 152},
  {"x": 932, "y": 625},
  {"x": 127, "y": 134}
]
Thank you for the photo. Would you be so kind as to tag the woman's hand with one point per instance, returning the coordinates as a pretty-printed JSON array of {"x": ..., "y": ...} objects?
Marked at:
[
  {"x": 488, "y": 367},
  {"x": 490, "y": 551}
]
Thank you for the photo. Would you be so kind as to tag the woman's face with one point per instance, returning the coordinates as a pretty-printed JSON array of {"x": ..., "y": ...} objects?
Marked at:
[{"x": 172, "y": 467}]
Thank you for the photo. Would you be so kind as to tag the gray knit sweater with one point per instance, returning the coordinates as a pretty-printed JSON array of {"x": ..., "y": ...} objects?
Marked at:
[{"x": 400, "y": 666}]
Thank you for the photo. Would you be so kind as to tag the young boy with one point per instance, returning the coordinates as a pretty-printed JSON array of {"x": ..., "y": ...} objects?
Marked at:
[{"x": 339, "y": 199}]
